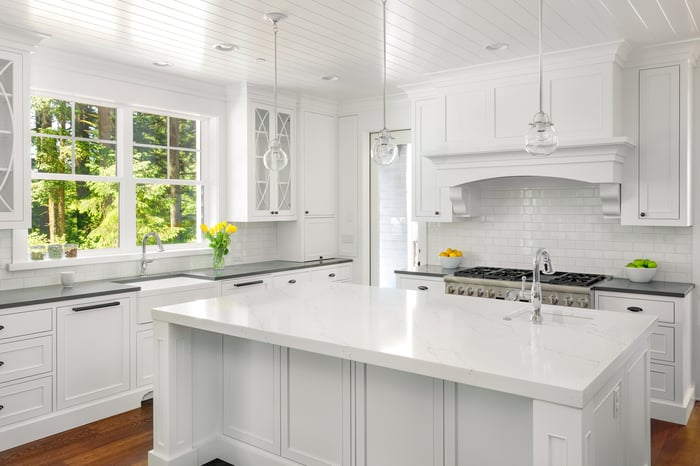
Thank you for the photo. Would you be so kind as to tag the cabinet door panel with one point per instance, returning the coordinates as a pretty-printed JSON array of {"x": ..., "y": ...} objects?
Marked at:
[
  {"x": 320, "y": 239},
  {"x": 607, "y": 430},
  {"x": 25, "y": 357},
  {"x": 426, "y": 195},
  {"x": 144, "y": 357},
  {"x": 25, "y": 400},
  {"x": 662, "y": 381},
  {"x": 401, "y": 420},
  {"x": 662, "y": 343},
  {"x": 93, "y": 351},
  {"x": 659, "y": 143},
  {"x": 315, "y": 408},
  {"x": 25, "y": 323},
  {"x": 319, "y": 164},
  {"x": 252, "y": 392}
]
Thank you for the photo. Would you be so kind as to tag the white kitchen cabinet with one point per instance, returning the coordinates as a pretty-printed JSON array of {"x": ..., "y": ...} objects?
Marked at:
[
  {"x": 401, "y": 419},
  {"x": 14, "y": 156},
  {"x": 93, "y": 350},
  {"x": 424, "y": 283},
  {"x": 25, "y": 358},
  {"x": 314, "y": 235},
  {"x": 22, "y": 400},
  {"x": 672, "y": 387},
  {"x": 332, "y": 273},
  {"x": 144, "y": 357},
  {"x": 656, "y": 190},
  {"x": 281, "y": 280},
  {"x": 245, "y": 284},
  {"x": 251, "y": 388},
  {"x": 316, "y": 406},
  {"x": 427, "y": 199},
  {"x": 255, "y": 193},
  {"x": 606, "y": 441}
]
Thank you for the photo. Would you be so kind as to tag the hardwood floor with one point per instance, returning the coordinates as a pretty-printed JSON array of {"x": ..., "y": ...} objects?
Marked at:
[{"x": 124, "y": 440}]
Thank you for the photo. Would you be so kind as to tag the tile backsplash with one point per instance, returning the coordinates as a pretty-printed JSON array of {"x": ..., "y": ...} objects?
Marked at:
[
  {"x": 520, "y": 215},
  {"x": 253, "y": 242}
]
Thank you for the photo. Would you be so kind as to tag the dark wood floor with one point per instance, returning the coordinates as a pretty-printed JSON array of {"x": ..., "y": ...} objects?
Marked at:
[{"x": 126, "y": 438}]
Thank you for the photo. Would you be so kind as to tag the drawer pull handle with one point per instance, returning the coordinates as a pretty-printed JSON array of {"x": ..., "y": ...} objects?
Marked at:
[
  {"x": 635, "y": 309},
  {"x": 332, "y": 275},
  {"x": 292, "y": 281},
  {"x": 96, "y": 306},
  {"x": 254, "y": 282},
  {"x": 423, "y": 288}
]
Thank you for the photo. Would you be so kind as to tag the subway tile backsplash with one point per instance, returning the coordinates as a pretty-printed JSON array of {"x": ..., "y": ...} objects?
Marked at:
[
  {"x": 520, "y": 215},
  {"x": 253, "y": 242}
]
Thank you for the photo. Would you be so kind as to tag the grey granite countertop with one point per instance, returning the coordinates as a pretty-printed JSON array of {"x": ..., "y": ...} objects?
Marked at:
[
  {"x": 52, "y": 293},
  {"x": 672, "y": 289},
  {"x": 427, "y": 271},
  {"x": 258, "y": 268}
]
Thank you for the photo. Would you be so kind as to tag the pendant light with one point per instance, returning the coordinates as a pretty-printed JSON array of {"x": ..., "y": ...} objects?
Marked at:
[
  {"x": 275, "y": 158},
  {"x": 384, "y": 151},
  {"x": 542, "y": 138}
]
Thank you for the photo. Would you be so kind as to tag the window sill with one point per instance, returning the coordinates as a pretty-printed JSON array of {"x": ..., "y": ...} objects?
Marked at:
[{"x": 112, "y": 258}]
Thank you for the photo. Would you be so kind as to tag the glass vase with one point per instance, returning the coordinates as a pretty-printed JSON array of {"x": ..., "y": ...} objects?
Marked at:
[{"x": 218, "y": 262}]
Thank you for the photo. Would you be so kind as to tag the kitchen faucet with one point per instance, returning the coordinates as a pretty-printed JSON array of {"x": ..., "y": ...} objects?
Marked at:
[
  {"x": 543, "y": 260},
  {"x": 144, "y": 261}
]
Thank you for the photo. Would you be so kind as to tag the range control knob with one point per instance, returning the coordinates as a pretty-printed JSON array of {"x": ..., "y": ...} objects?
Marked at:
[
  {"x": 583, "y": 302},
  {"x": 492, "y": 293},
  {"x": 553, "y": 299},
  {"x": 480, "y": 292},
  {"x": 470, "y": 291},
  {"x": 460, "y": 290},
  {"x": 568, "y": 301},
  {"x": 450, "y": 289}
]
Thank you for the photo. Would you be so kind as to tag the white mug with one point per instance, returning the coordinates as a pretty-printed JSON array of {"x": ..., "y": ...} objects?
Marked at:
[{"x": 67, "y": 279}]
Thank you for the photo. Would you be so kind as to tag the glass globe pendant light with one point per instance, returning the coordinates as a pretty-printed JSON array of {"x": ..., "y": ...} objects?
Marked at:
[
  {"x": 542, "y": 138},
  {"x": 275, "y": 158},
  {"x": 384, "y": 151}
]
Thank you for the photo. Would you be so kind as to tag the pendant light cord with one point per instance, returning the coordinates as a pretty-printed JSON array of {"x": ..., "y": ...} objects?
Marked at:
[
  {"x": 384, "y": 32},
  {"x": 540, "y": 53},
  {"x": 274, "y": 28}
]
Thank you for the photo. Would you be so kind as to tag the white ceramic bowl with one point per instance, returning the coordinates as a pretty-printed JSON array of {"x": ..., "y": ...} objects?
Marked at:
[
  {"x": 450, "y": 262},
  {"x": 640, "y": 275}
]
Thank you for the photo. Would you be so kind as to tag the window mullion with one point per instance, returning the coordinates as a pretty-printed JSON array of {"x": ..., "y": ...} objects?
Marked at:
[{"x": 127, "y": 203}]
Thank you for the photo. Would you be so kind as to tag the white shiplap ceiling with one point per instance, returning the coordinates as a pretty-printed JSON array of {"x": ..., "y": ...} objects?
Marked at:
[{"x": 339, "y": 37}]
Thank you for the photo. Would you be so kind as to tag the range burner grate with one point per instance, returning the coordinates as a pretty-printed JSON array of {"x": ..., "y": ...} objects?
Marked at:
[{"x": 515, "y": 275}]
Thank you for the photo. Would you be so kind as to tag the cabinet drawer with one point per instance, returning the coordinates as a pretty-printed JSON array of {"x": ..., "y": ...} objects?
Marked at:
[
  {"x": 421, "y": 284},
  {"x": 331, "y": 274},
  {"x": 243, "y": 285},
  {"x": 25, "y": 400},
  {"x": 664, "y": 310},
  {"x": 291, "y": 278},
  {"x": 25, "y": 323},
  {"x": 148, "y": 302},
  {"x": 662, "y": 381},
  {"x": 24, "y": 358},
  {"x": 662, "y": 343}
]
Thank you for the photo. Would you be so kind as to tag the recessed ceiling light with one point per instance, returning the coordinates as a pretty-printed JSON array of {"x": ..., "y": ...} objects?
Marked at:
[
  {"x": 226, "y": 47},
  {"x": 162, "y": 64},
  {"x": 496, "y": 46},
  {"x": 330, "y": 77},
  {"x": 260, "y": 60}
]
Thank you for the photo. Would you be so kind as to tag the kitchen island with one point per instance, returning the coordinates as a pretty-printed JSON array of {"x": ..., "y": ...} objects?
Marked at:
[{"x": 342, "y": 374}]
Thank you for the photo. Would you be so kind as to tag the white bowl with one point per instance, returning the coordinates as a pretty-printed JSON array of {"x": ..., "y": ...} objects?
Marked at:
[
  {"x": 640, "y": 275},
  {"x": 450, "y": 262}
]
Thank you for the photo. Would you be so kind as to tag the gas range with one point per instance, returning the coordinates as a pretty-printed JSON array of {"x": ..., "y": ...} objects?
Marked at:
[{"x": 561, "y": 288}]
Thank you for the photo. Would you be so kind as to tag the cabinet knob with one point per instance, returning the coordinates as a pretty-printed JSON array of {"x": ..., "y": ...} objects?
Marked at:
[
  {"x": 422, "y": 287},
  {"x": 292, "y": 281},
  {"x": 332, "y": 275},
  {"x": 2, "y": 363},
  {"x": 635, "y": 309},
  {"x": 437, "y": 212},
  {"x": 306, "y": 212},
  {"x": 1, "y": 406},
  {"x": 2, "y": 327},
  {"x": 642, "y": 214}
]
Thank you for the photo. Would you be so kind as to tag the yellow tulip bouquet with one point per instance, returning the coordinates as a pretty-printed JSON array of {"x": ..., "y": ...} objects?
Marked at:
[{"x": 219, "y": 237}]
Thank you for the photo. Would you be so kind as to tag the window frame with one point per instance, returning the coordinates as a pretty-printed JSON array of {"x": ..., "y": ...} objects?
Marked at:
[{"x": 128, "y": 245}]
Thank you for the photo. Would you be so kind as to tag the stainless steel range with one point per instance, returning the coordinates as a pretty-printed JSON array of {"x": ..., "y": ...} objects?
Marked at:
[{"x": 561, "y": 288}]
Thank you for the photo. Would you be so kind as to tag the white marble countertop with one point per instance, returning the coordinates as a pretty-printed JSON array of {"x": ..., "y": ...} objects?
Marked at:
[{"x": 565, "y": 360}]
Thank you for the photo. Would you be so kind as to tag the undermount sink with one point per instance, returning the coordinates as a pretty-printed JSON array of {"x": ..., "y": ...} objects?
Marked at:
[
  {"x": 567, "y": 316},
  {"x": 160, "y": 283}
]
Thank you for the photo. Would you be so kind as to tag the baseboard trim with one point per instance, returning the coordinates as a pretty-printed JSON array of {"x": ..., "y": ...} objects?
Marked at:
[{"x": 678, "y": 413}]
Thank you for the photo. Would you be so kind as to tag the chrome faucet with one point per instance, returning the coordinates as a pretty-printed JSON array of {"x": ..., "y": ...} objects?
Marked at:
[
  {"x": 144, "y": 261},
  {"x": 541, "y": 260}
]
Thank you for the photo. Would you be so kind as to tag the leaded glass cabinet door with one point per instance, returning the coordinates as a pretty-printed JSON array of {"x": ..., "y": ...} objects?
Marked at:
[
  {"x": 262, "y": 131},
  {"x": 284, "y": 176},
  {"x": 12, "y": 207}
]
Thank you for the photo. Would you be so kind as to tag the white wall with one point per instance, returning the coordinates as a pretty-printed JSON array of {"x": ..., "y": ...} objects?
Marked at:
[{"x": 369, "y": 119}]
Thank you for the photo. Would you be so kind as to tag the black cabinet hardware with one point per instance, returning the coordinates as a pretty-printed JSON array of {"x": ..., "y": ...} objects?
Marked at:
[
  {"x": 332, "y": 275},
  {"x": 254, "y": 282},
  {"x": 96, "y": 306},
  {"x": 635, "y": 309},
  {"x": 292, "y": 281},
  {"x": 423, "y": 288}
]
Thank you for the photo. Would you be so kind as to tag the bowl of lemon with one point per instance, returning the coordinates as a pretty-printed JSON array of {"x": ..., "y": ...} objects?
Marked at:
[{"x": 450, "y": 258}]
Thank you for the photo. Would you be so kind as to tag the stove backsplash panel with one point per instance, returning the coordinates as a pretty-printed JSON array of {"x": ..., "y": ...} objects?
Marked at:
[{"x": 520, "y": 215}]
